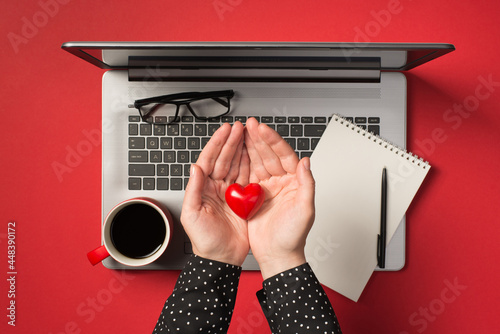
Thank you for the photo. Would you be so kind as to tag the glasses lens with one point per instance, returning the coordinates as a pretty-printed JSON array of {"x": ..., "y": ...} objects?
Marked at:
[
  {"x": 158, "y": 113},
  {"x": 208, "y": 108}
]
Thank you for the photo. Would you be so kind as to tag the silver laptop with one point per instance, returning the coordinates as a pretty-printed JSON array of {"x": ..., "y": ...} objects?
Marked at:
[{"x": 293, "y": 87}]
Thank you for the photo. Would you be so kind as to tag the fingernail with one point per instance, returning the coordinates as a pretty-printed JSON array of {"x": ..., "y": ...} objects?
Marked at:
[
  {"x": 191, "y": 170},
  {"x": 307, "y": 164}
]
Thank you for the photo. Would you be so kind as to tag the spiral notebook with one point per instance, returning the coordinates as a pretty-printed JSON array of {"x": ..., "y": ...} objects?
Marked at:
[{"x": 347, "y": 165}]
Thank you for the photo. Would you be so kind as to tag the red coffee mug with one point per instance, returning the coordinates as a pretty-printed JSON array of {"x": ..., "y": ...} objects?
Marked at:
[{"x": 135, "y": 233}]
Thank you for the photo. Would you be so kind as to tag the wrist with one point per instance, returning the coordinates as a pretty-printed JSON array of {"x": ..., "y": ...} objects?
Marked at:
[
  {"x": 274, "y": 266},
  {"x": 231, "y": 258}
]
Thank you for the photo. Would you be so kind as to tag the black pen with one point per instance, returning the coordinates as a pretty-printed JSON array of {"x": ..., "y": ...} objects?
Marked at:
[{"x": 383, "y": 223}]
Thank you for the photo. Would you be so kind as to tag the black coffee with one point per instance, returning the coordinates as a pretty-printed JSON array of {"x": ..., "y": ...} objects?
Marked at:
[{"x": 138, "y": 231}]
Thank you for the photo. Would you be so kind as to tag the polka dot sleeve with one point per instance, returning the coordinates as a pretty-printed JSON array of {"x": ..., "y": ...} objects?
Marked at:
[
  {"x": 294, "y": 302},
  {"x": 202, "y": 300}
]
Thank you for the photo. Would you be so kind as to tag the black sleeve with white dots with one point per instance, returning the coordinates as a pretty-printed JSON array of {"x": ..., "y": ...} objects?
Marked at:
[
  {"x": 294, "y": 302},
  {"x": 203, "y": 298}
]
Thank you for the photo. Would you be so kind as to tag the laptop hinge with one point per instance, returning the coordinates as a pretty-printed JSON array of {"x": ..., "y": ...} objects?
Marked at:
[{"x": 289, "y": 69}]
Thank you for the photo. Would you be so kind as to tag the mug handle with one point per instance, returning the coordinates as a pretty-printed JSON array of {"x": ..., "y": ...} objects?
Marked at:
[{"x": 97, "y": 255}]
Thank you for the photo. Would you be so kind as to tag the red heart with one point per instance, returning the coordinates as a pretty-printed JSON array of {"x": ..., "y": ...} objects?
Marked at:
[{"x": 245, "y": 202}]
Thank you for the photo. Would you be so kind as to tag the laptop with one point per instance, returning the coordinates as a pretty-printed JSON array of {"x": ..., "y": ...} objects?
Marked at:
[{"x": 293, "y": 87}]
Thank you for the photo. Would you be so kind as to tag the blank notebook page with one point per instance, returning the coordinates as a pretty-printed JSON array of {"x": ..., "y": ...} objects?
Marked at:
[{"x": 347, "y": 165}]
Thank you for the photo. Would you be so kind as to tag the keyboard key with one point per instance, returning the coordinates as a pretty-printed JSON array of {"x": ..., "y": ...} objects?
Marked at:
[
  {"x": 314, "y": 142},
  {"x": 155, "y": 156},
  {"x": 173, "y": 130},
  {"x": 166, "y": 143},
  {"x": 373, "y": 120},
  {"x": 187, "y": 169},
  {"x": 280, "y": 119},
  {"x": 141, "y": 170},
  {"x": 375, "y": 129},
  {"x": 303, "y": 144},
  {"x": 138, "y": 156},
  {"x": 291, "y": 142},
  {"x": 227, "y": 119},
  {"x": 319, "y": 119},
  {"x": 296, "y": 130},
  {"x": 134, "y": 183},
  {"x": 187, "y": 118},
  {"x": 204, "y": 142},
  {"x": 267, "y": 119},
  {"x": 176, "y": 170},
  {"x": 159, "y": 130},
  {"x": 133, "y": 129},
  {"x": 350, "y": 119},
  {"x": 314, "y": 130},
  {"x": 176, "y": 184},
  {"x": 193, "y": 143},
  {"x": 293, "y": 119},
  {"x": 305, "y": 154},
  {"x": 148, "y": 183},
  {"x": 194, "y": 156},
  {"x": 187, "y": 130},
  {"x": 362, "y": 126},
  {"x": 136, "y": 143},
  {"x": 306, "y": 119},
  {"x": 162, "y": 170},
  {"x": 162, "y": 184},
  {"x": 241, "y": 119},
  {"x": 152, "y": 143},
  {"x": 212, "y": 128},
  {"x": 200, "y": 130},
  {"x": 161, "y": 120},
  {"x": 257, "y": 118},
  {"x": 183, "y": 156},
  {"x": 134, "y": 118},
  {"x": 360, "y": 119},
  {"x": 169, "y": 156},
  {"x": 180, "y": 143},
  {"x": 146, "y": 129},
  {"x": 283, "y": 130},
  {"x": 173, "y": 119}
]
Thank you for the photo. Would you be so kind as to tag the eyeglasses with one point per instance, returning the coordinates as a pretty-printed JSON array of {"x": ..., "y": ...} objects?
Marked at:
[{"x": 165, "y": 109}]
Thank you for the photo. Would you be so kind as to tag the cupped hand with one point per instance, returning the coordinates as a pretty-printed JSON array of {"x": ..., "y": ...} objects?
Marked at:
[
  {"x": 214, "y": 230},
  {"x": 278, "y": 231}
]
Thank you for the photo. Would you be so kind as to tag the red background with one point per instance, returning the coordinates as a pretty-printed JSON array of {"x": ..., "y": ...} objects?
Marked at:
[{"x": 49, "y": 98}]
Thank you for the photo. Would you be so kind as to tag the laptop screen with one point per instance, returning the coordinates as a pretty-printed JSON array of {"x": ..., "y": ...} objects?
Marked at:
[{"x": 246, "y": 55}]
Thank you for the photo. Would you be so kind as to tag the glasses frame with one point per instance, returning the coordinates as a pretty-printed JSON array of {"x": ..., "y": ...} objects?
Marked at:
[{"x": 180, "y": 99}]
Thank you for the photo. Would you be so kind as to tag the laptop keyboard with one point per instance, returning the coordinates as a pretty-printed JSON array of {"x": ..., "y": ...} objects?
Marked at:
[{"x": 160, "y": 156}]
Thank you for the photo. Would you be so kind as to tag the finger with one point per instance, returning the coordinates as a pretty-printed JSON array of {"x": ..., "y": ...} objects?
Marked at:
[
  {"x": 257, "y": 169},
  {"x": 253, "y": 176},
  {"x": 271, "y": 161},
  {"x": 286, "y": 156},
  {"x": 194, "y": 189},
  {"x": 306, "y": 184},
  {"x": 244, "y": 171},
  {"x": 225, "y": 158},
  {"x": 234, "y": 170},
  {"x": 208, "y": 156}
]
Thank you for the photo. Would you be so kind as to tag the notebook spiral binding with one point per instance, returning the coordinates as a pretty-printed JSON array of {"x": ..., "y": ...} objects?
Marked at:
[{"x": 377, "y": 139}]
